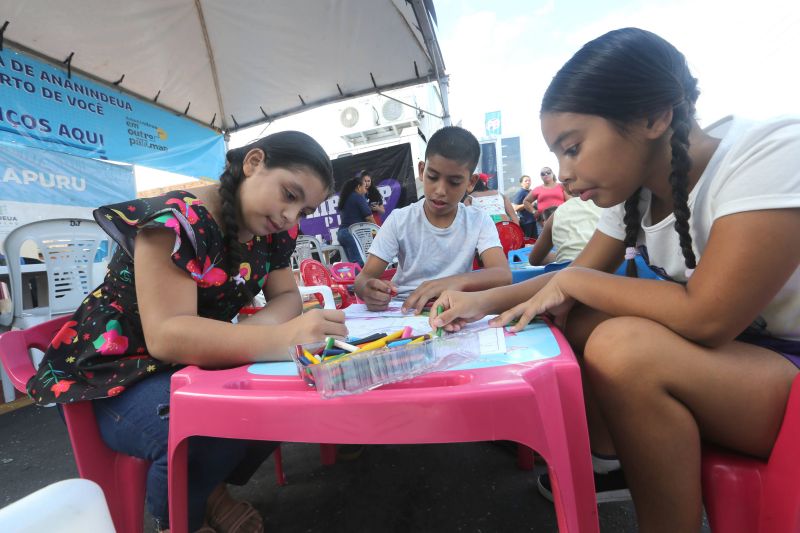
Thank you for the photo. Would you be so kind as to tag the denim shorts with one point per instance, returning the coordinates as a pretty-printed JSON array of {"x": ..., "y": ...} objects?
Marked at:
[{"x": 788, "y": 348}]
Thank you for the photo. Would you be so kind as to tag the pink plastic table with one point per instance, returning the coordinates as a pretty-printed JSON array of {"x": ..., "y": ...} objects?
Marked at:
[{"x": 531, "y": 395}]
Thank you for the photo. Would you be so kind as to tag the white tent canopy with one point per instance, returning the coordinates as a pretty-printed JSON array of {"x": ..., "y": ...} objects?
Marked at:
[{"x": 236, "y": 63}]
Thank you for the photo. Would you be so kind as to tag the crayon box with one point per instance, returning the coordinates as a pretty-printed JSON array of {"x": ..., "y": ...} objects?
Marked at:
[{"x": 362, "y": 371}]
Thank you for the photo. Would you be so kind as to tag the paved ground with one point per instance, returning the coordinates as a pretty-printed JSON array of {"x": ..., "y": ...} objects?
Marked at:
[{"x": 425, "y": 488}]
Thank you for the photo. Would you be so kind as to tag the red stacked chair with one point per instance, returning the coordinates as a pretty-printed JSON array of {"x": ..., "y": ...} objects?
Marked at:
[{"x": 314, "y": 273}]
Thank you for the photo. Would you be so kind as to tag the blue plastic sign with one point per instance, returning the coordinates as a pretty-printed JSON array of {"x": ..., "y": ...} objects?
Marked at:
[{"x": 42, "y": 107}]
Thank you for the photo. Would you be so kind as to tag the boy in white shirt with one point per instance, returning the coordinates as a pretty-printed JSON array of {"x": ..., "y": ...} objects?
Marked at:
[{"x": 435, "y": 238}]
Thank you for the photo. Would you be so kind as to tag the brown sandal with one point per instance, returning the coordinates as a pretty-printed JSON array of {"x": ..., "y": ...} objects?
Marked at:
[{"x": 227, "y": 515}]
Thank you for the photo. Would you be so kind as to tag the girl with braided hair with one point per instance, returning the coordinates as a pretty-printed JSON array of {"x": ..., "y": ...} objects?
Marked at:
[
  {"x": 709, "y": 355},
  {"x": 185, "y": 265}
]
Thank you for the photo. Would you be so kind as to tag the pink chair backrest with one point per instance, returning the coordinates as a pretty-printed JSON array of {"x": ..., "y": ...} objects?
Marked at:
[
  {"x": 121, "y": 477},
  {"x": 344, "y": 272}
]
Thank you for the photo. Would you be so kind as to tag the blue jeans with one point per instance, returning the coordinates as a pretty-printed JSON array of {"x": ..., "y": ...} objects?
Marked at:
[
  {"x": 350, "y": 246},
  {"x": 137, "y": 423}
]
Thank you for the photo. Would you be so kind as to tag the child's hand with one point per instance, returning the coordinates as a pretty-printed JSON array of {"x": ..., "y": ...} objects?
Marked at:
[
  {"x": 426, "y": 292},
  {"x": 460, "y": 308},
  {"x": 317, "y": 324},
  {"x": 551, "y": 299},
  {"x": 377, "y": 294}
]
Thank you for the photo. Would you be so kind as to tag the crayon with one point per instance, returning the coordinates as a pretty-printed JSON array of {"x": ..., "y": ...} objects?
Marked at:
[
  {"x": 373, "y": 337},
  {"x": 310, "y": 357},
  {"x": 374, "y": 345},
  {"x": 439, "y": 311},
  {"x": 333, "y": 351},
  {"x": 329, "y": 343},
  {"x": 399, "y": 343},
  {"x": 418, "y": 340},
  {"x": 344, "y": 346},
  {"x": 407, "y": 332}
]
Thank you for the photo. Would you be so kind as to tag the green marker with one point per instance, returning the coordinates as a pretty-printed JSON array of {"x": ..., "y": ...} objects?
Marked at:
[
  {"x": 439, "y": 311},
  {"x": 329, "y": 343}
]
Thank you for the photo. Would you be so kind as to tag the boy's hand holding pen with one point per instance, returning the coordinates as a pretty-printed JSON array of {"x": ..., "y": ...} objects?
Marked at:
[{"x": 378, "y": 294}]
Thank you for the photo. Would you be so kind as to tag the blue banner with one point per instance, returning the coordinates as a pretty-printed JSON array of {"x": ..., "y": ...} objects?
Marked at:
[
  {"x": 44, "y": 177},
  {"x": 40, "y": 106},
  {"x": 493, "y": 124}
]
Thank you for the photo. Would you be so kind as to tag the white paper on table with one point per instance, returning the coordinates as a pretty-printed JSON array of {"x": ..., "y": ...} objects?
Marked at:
[
  {"x": 492, "y": 340},
  {"x": 360, "y": 311},
  {"x": 362, "y": 323}
]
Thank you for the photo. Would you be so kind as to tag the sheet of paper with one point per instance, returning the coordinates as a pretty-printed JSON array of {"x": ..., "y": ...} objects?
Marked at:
[
  {"x": 362, "y": 323},
  {"x": 360, "y": 311},
  {"x": 363, "y": 327},
  {"x": 492, "y": 340}
]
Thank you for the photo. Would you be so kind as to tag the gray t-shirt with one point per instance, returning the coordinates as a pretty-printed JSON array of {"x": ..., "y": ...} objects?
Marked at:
[{"x": 426, "y": 252}]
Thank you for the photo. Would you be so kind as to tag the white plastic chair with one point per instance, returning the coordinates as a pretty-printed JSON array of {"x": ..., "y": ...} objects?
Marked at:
[
  {"x": 68, "y": 247},
  {"x": 69, "y": 506},
  {"x": 327, "y": 296},
  {"x": 305, "y": 248},
  {"x": 364, "y": 233}
]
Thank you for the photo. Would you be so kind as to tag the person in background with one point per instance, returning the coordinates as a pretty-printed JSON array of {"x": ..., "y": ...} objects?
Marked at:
[
  {"x": 526, "y": 213},
  {"x": 547, "y": 196},
  {"x": 568, "y": 230},
  {"x": 492, "y": 202},
  {"x": 353, "y": 208},
  {"x": 186, "y": 263},
  {"x": 374, "y": 197},
  {"x": 436, "y": 238},
  {"x": 710, "y": 353}
]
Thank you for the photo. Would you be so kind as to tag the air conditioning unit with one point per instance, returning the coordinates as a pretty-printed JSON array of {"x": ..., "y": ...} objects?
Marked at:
[{"x": 377, "y": 118}]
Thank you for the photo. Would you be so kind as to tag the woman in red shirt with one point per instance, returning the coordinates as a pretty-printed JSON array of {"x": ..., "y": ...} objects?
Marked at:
[{"x": 547, "y": 196}]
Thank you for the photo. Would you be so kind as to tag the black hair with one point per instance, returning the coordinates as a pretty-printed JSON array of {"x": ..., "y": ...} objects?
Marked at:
[
  {"x": 458, "y": 144},
  {"x": 480, "y": 186},
  {"x": 291, "y": 150},
  {"x": 373, "y": 194},
  {"x": 522, "y": 178},
  {"x": 348, "y": 188},
  {"x": 626, "y": 75}
]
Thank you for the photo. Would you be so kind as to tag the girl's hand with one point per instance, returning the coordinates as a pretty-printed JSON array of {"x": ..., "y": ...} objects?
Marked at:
[
  {"x": 551, "y": 299},
  {"x": 426, "y": 292},
  {"x": 317, "y": 324},
  {"x": 460, "y": 308}
]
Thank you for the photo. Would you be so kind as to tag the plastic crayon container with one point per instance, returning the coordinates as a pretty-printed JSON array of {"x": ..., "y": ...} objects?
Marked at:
[{"x": 362, "y": 371}]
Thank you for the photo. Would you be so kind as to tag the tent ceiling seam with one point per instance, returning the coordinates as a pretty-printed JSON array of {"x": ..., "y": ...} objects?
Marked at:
[
  {"x": 423, "y": 49},
  {"x": 212, "y": 63}
]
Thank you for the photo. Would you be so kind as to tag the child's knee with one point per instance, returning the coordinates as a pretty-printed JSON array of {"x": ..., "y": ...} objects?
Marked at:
[{"x": 619, "y": 349}]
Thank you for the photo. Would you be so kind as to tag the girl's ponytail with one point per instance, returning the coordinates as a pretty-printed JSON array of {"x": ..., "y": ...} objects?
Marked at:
[
  {"x": 632, "y": 226},
  {"x": 679, "y": 179}
]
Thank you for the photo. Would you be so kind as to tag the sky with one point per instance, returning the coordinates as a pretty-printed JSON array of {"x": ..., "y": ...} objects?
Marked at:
[{"x": 501, "y": 54}]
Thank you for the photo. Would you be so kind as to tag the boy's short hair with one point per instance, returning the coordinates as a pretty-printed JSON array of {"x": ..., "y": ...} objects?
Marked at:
[{"x": 457, "y": 144}]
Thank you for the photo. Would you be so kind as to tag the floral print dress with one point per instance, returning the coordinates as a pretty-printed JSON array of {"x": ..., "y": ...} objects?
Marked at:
[{"x": 100, "y": 351}]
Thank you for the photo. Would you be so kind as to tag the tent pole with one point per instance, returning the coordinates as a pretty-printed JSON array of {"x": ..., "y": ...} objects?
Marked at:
[{"x": 425, "y": 25}]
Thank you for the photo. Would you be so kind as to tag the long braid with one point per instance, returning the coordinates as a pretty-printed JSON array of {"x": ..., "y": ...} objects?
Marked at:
[
  {"x": 632, "y": 227},
  {"x": 229, "y": 181},
  {"x": 679, "y": 179}
]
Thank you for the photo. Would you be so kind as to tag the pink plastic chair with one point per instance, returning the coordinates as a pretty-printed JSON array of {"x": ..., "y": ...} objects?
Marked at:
[
  {"x": 121, "y": 476},
  {"x": 537, "y": 403},
  {"x": 747, "y": 495},
  {"x": 344, "y": 273}
]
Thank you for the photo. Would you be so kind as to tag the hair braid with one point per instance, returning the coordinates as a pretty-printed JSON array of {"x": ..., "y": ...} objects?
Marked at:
[
  {"x": 229, "y": 183},
  {"x": 632, "y": 227},
  {"x": 679, "y": 178}
]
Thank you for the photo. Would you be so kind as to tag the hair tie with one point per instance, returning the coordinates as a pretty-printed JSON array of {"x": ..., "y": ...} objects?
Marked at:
[
  {"x": 688, "y": 273},
  {"x": 238, "y": 279},
  {"x": 630, "y": 253}
]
